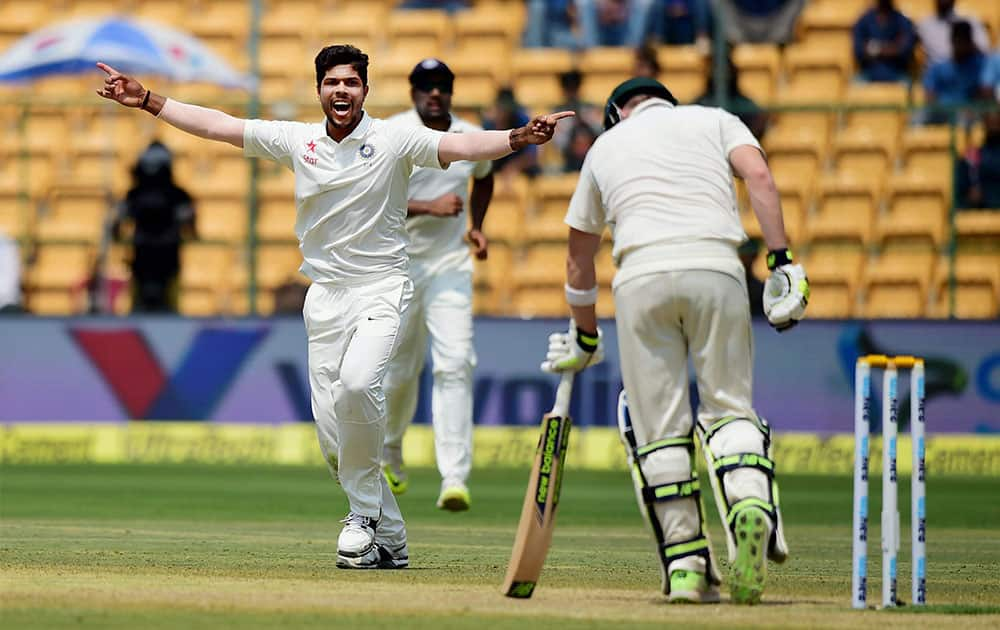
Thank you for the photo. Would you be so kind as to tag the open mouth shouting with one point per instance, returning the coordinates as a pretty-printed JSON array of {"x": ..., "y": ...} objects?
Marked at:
[{"x": 341, "y": 109}]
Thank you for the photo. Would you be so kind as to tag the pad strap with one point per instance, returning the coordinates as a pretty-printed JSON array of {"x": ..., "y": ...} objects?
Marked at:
[
  {"x": 760, "y": 423},
  {"x": 646, "y": 449},
  {"x": 697, "y": 546},
  {"x": 690, "y": 488},
  {"x": 748, "y": 502},
  {"x": 744, "y": 460}
]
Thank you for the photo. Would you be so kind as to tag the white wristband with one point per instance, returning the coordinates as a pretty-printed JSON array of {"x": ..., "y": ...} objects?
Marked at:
[{"x": 581, "y": 297}]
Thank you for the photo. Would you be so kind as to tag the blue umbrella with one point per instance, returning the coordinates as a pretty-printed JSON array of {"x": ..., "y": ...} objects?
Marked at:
[{"x": 131, "y": 46}]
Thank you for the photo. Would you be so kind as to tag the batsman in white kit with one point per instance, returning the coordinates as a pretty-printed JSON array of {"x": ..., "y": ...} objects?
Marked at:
[
  {"x": 660, "y": 178},
  {"x": 441, "y": 310},
  {"x": 351, "y": 179}
]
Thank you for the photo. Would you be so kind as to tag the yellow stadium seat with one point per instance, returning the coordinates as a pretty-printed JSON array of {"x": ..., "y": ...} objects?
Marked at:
[
  {"x": 60, "y": 266},
  {"x": 491, "y": 280},
  {"x": 221, "y": 175},
  {"x": 75, "y": 214},
  {"x": 222, "y": 218},
  {"x": 552, "y": 195},
  {"x": 684, "y": 72},
  {"x": 800, "y": 132},
  {"x": 390, "y": 84},
  {"x": 424, "y": 32},
  {"x": 276, "y": 264},
  {"x": 916, "y": 10},
  {"x": 846, "y": 209},
  {"x": 603, "y": 69},
  {"x": 220, "y": 19},
  {"x": 818, "y": 64},
  {"x": 18, "y": 17},
  {"x": 205, "y": 266},
  {"x": 605, "y": 307},
  {"x": 198, "y": 302},
  {"x": 983, "y": 224},
  {"x": 541, "y": 265},
  {"x": 492, "y": 29},
  {"x": 360, "y": 28},
  {"x": 170, "y": 12},
  {"x": 45, "y": 132},
  {"x": 535, "y": 73},
  {"x": 986, "y": 10},
  {"x": 286, "y": 67},
  {"x": 276, "y": 219},
  {"x": 876, "y": 95},
  {"x": 289, "y": 17},
  {"x": 275, "y": 181},
  {"x": 759, "y": 66},
  {"x": 976, "y": 287},
  {"x": 93, "y": 8},
  {"x": 475, "y": 82},
  {"x": 834, "y": 269},
  {"x": 897, "y": 282},
  {"x": 892, "y": 298},
  {"x": 829, "y": 23},
  {"x": 508, "y": 209},
  {"x": 932, "y": 139},
  {"x": 56, "y": 303},
  {"x": 820, "y": 87},
  {"x": 914, "y": 213}
]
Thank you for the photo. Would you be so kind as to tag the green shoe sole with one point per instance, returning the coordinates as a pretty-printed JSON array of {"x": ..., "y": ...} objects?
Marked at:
[
  {"x": 748, "y": 574},
  {"x": 454, "y": 500},
  {"x": 396, "y": 484}
]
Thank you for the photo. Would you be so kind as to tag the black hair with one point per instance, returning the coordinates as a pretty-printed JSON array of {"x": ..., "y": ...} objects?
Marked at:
[
  {"x": 961, "y": 29},
  {"x": 339, "y": 55}
]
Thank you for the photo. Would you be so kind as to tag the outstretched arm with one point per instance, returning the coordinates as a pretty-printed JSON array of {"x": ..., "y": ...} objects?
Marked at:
[
  {"x": 200, "y": 121},
  {"x": 491, "y": 145}
]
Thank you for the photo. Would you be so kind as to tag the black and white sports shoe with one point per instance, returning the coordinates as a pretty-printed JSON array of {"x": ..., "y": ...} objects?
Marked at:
[{"x": 356, "y": 548}]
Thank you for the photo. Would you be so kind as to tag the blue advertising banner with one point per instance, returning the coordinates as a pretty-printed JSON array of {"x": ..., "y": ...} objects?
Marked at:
[{"x": 254, "y": 371}]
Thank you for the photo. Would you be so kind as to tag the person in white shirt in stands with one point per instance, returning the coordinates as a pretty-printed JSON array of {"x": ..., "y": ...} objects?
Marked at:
[
  {"x": 935, "y": 32},
  {"x": 441, "y": 271},
  {"x": 680, "y": 292},
  {"x": 351, "y": 180}
]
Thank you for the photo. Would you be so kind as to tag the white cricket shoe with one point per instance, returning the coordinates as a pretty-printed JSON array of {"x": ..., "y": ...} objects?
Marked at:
[{"x": 356, "y": 548}]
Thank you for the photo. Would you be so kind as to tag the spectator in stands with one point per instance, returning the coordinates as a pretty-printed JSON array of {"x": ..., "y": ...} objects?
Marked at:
[
  {"x": 647, "y": 63},
  {"x": 673, "y": 22},
  {"x": 935, "y": 32},
  {"x": 883, "y": 43},
  {"x": 587, "y": 113},
  {"x": 10, "y": 275},
  {"x": 553, "y": 23},
  {"x": 735, "y": 101},
  {"x": 445, "y": 5},
  {"x": 163, "y": 215},
  {"x": 955, "y": 81},
  {"x": 978, "y": 177},
  {"x": 506, "y": 111},
  {"x": 603, "y": 22},
  {"x": 581, "y": 138},
  {"x": 989, "y": 82},
  {"x": 758, "y": 21}
]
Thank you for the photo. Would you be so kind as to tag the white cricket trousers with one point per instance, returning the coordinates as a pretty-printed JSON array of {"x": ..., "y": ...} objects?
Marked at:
[
  {"x": 352, "y": 333},
  {"x": 663, "y": 318},
  {"x": 441, "y": 310}
]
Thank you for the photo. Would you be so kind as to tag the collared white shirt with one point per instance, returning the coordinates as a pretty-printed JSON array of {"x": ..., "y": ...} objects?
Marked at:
[
  {"x": 350, "y": 196},
  {"x": 441, "y": 237},
  {"x": 662, "y": 178},
  {"x": 935, "y": 36}
]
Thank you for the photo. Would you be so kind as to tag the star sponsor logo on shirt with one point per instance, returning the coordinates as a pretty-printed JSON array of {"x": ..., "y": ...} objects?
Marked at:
[{"x": 310, "y": 159}]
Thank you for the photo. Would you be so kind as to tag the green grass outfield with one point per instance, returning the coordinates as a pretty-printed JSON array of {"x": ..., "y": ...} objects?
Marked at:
[{"x": 132, "y": 547}]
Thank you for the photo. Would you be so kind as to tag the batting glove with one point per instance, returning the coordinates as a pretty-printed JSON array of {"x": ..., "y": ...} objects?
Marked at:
[
  {"x": 574, "y": 350},
  {"x": 786, "y": 291}
]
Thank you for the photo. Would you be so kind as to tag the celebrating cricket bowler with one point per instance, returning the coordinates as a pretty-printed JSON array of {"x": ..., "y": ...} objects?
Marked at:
[
  {"x": 660, "y": 178},
  {"x": 351, "y": 191},
  {"x": 441, "y": 310}
]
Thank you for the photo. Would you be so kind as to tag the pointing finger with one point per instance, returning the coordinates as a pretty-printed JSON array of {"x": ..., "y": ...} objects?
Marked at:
[
  {"x": 553, "y": 118},
  {"x": 108, "y": 69}
]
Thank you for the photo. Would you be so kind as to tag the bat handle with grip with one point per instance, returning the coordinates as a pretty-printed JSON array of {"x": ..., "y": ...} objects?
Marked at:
[{"x": 563, "y": 393}]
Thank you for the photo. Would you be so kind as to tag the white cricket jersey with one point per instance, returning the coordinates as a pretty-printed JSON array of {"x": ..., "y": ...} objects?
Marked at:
[
  {"x": 350, "y": 196},
  {"x": 441, "y": 238},
  {"x": 662, "y": 182}
]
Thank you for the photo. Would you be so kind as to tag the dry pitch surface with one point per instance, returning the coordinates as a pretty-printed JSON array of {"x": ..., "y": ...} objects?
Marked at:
[{"x": 233, "y": 547}]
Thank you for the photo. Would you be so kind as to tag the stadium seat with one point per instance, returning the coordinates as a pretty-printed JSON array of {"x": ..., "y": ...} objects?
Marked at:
[
  {"x": 916, "y": 10},
  {"x": 56, "y": 279},
  {"x": 976, "y": 287},
  {"x": 539, "y": 301},
  {"x": 205, "y": 266},
  {"x": 834, "y": 269},
  {"x": 222, "y": 218},
  {"x": 286, "y": 67},
  {"x": 800, "y": 132},
  {"x": 912, "y": 212},
  {"x": 424, "y": 33},
  {"x": 603, "y": 69},
  {"x": 390, "y": 84},
  {"x": 276, "y": 219},
  {"x": 18, "y": 17},
  {"x": 275, "y": 264},
  {"x": 224, "y": 174},
  {"x": 829, "y": 22},
  {"x": 759, "y": 66},
  {"x": 845, "y": 209},
  {"x": 978, "y": 224},
  {"x": 284, "y": 18},
  {"x": 810, "y": 88},
  {"x": 535, "y": 75},
  {"x": 492, "y": 29},
  {"x": 552, "y": 194},
  {"x": 75, "y": 214},
  {"x": 817, "y": 64},
  {"x": 541, "y": 265},
  {"x": 220, "y": 20},
  {"x": 508, "y": 209},
  {"x": 169, "y": 12},
  {"x": 491, "y": 280},
  {"x": 897, "y": 282},
  {"x": 684, "y": 70},
  {"x": 92, "y": 8},
  {"x": 475, "y": 79},
  {"x": 986, "y": 10},
  {"x": 361, "y": 28}
]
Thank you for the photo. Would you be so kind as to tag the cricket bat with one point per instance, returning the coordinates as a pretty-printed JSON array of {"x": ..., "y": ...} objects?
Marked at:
[{"x": 538, "y": 515}]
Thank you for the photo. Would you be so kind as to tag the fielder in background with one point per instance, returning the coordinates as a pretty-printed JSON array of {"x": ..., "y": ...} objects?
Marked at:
[
  {"x": 352, "y": 175},
  {"x": 441, "y": 271},
  {"x": 660, "y": 178}
]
